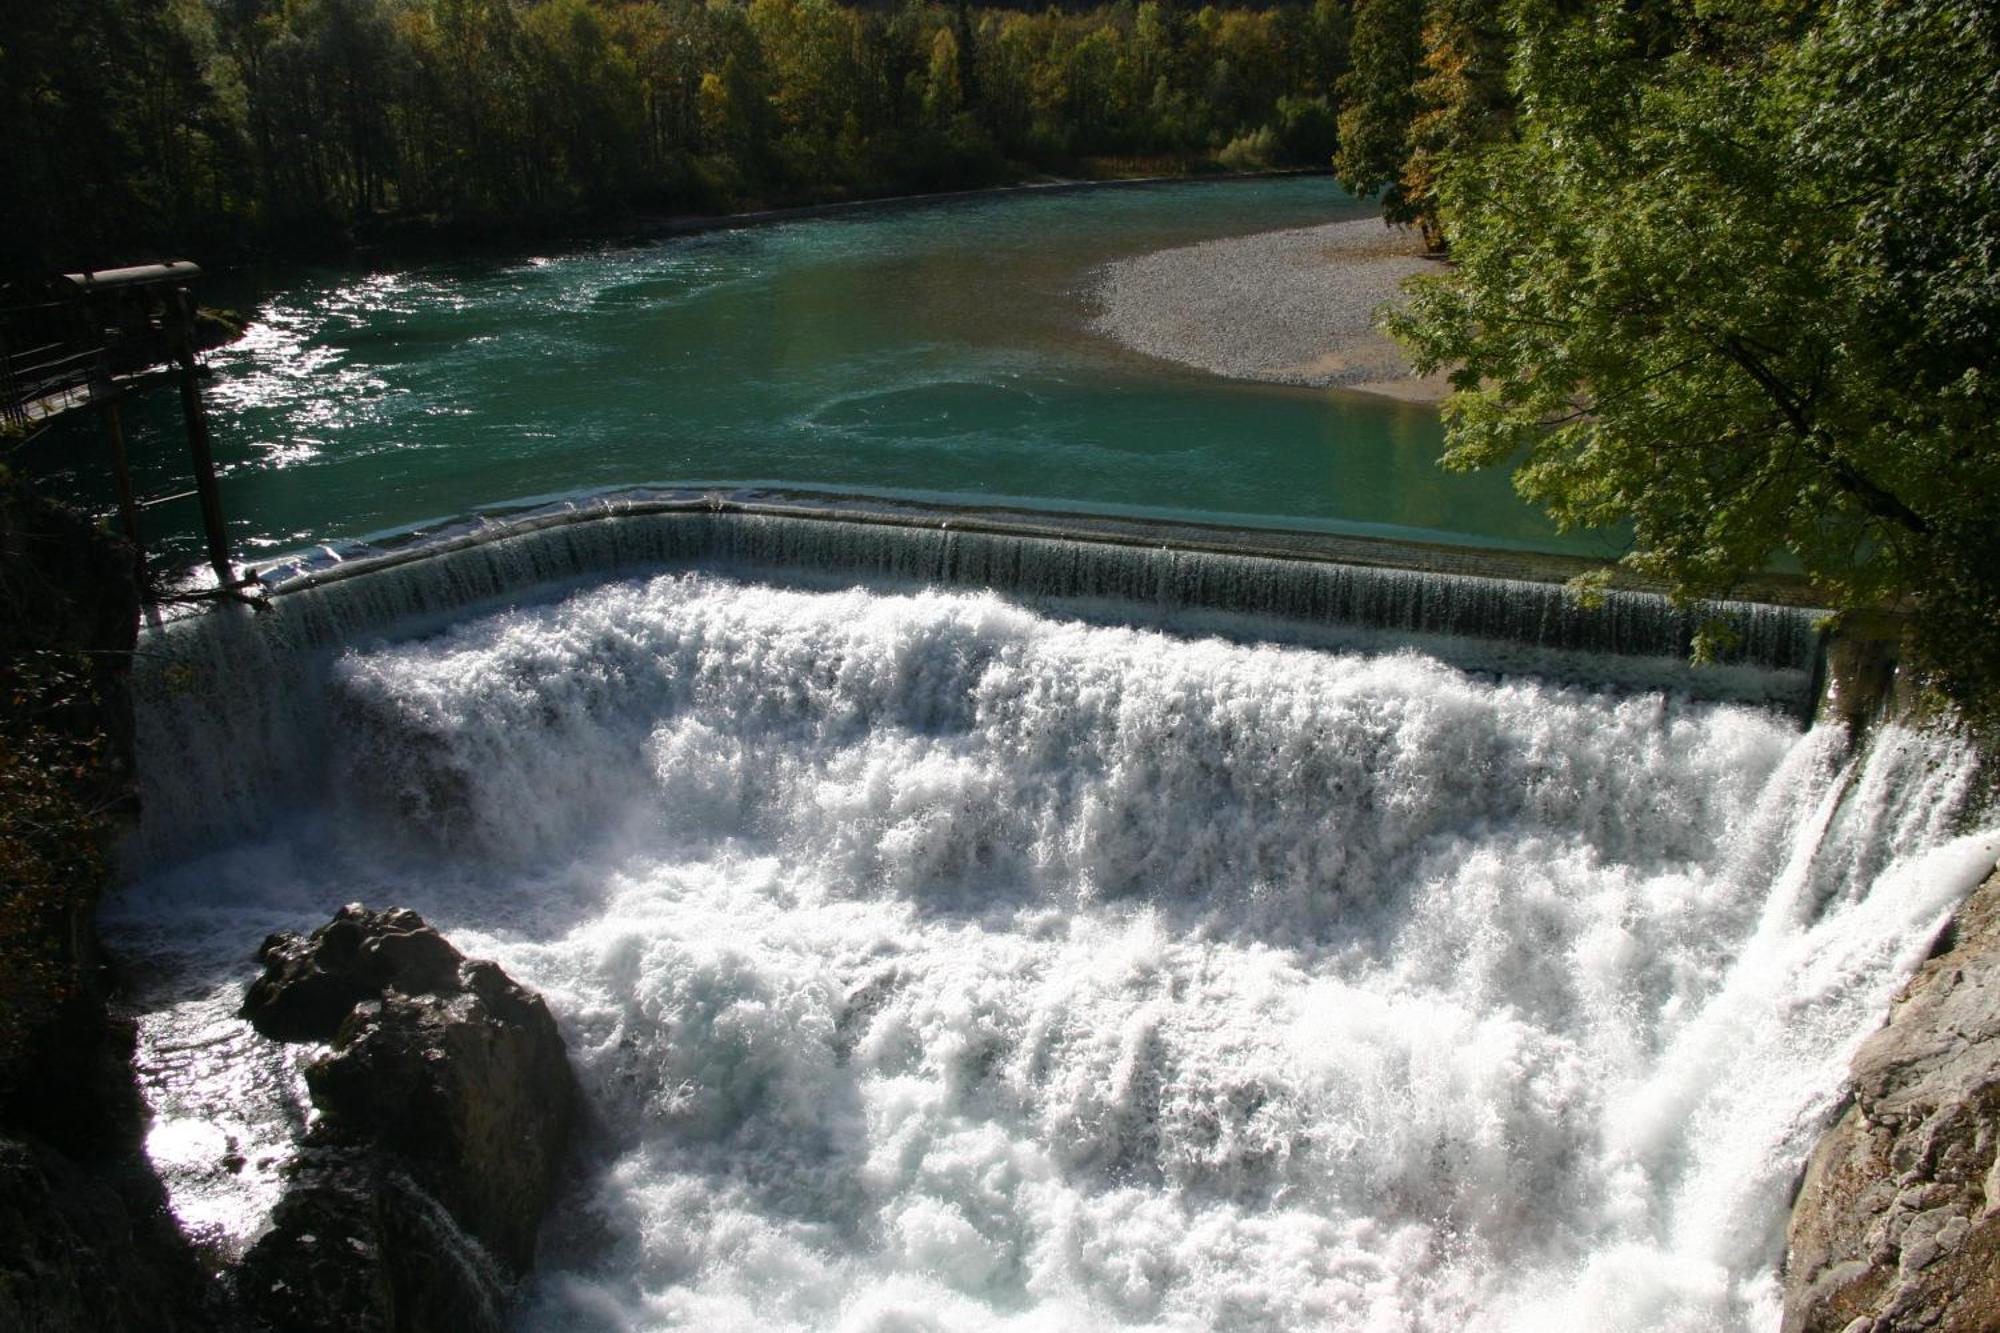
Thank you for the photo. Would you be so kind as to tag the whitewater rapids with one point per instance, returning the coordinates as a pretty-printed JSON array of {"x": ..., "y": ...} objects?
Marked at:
[{"x": 932, "y": 963}]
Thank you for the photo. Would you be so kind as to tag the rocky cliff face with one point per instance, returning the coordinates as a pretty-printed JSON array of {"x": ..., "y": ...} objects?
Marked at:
[
  {"x": 86, "y": 1242},
  {"x": 1897, "y": 1224}
]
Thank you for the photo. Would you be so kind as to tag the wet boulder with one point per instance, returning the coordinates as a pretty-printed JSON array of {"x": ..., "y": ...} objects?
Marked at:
[
  {"x": 445, "y": 1103},
  {"x": 471, "y": 1086},
  {"x": 358, "y": 1246},
  {"x": 311, "y": 983}
]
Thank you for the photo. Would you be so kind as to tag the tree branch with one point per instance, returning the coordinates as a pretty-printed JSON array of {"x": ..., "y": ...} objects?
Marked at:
[{"x": 1875, "y": 498}]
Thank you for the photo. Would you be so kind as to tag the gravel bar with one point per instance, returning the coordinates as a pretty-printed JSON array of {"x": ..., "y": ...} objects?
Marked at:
[{"x": 1286, "y": 307}]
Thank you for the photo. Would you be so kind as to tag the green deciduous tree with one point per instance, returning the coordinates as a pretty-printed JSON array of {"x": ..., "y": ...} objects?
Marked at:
[
  {"x": 131, "y": 127},
  {"x": 109, "y": 132},
  {"x": 1378, "y": 98},
  {"x": 1736, "y": 281},
  {"x": 944, "y": 94},
  {"x": 1461, "y": 101}
]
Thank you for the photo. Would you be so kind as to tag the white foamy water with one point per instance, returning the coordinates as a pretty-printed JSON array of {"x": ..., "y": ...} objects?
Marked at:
[{"x": 929, "y": 963}]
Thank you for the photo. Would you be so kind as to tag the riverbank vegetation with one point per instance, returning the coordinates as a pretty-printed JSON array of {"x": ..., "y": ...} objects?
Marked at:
[
  {"x": 1729, "y": 273},
  {"x": 130, "y": 127},
  {"x": 68, "y": 614}
]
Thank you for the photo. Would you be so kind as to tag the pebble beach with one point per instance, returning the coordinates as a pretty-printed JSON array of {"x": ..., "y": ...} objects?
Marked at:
[{"x": 1285, "y": 307}]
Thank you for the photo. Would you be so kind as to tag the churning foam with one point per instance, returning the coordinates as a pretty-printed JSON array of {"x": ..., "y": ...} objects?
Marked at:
[{"x": 929, "y": 963}]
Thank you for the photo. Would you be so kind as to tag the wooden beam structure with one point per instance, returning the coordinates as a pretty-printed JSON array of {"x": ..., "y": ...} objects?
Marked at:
[{"x": 93, "y": 333}]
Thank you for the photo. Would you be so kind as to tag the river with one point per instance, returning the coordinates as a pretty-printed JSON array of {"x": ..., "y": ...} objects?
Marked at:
[{"x": 940, "y": 351}]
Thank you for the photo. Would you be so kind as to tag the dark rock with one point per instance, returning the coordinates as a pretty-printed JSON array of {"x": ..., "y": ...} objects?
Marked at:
[
  {"x": 82, "y": 1252},
  {"x": 1897, "y": 1224},
  {"x": 357, "y": 1246},
  {"x": 86, "y": 1241},
  {"x": 311, "y": 983},
  {"x": 215, "y": 328},
  {"x": 446, "y": 1103},
  {"x": 68, "y": 587},
  {"x": 1860, "y": 683},
  {"x": 474, "y": 1089},
  {"x": 69, "y": 616}
]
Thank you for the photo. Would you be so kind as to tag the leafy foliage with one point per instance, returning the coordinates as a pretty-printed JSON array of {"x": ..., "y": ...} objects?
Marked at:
[
  {"x": 1461, "y": 102},
  {"x": 53, "y": 826},
  {"x": 1734, "y": 282},
  {"x": 1378, "y": 99},
  {"x": 136, "y": 124}
]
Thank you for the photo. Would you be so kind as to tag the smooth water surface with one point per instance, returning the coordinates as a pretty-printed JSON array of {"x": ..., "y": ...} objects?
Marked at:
[{"x": 940, "y": 350}]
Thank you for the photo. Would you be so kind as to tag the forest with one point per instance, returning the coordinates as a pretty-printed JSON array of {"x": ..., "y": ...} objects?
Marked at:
[{"x": 147, "y": 125}]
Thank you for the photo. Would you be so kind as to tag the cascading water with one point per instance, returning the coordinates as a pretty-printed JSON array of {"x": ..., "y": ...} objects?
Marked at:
[
  {"x": 1116, "y": 571},
  {"x": 933, "y": 961}
]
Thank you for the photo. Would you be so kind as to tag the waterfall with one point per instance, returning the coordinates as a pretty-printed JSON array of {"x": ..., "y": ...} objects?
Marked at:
[
  {"x": 1173, "y": 573},
  {"x": 219, "y": 689},
  {"x": 987, "y": 931}
]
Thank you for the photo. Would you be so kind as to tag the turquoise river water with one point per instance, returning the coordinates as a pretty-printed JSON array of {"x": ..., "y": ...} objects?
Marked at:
[{"x": 940, "y": 350}]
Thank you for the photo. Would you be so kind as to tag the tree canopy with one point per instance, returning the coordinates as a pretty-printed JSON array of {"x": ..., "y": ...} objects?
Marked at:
[
  {"x": 1734, "y": 279},
  {"x": 129, "y": 127},
  {"x": 1378, "y": 99}
]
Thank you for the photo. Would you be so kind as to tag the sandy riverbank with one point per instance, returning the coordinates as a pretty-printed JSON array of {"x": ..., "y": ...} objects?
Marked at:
[{"x": 1287, "y": 307}]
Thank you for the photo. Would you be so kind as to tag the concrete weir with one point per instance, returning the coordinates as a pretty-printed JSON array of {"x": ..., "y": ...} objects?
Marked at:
[
  {"x": 1504, "y": 613},
  {"x": 1485, "y": 609}
]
